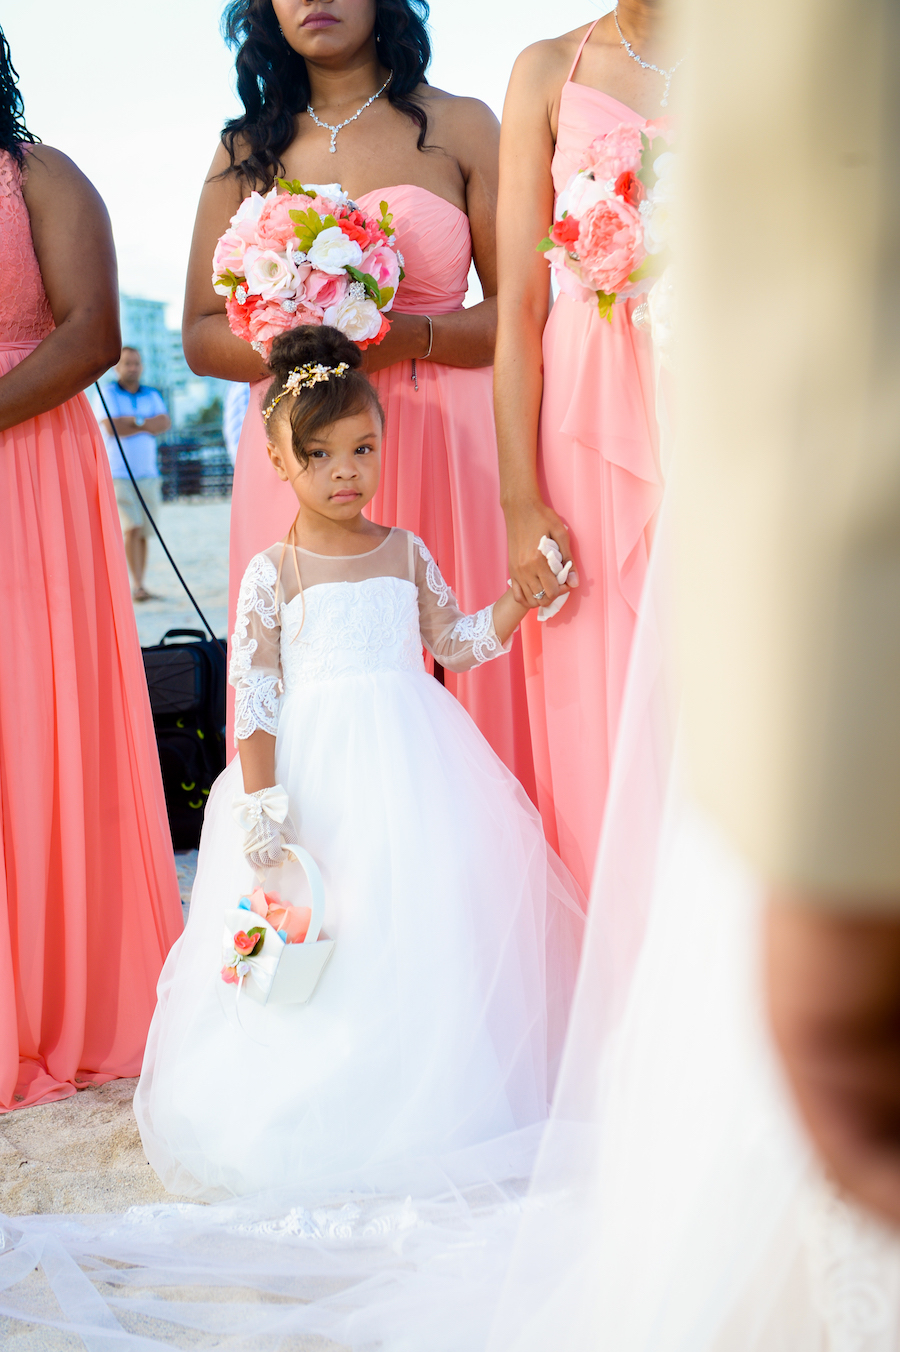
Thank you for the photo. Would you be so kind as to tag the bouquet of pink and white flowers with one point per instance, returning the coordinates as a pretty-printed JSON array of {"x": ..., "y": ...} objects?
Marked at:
[
  {"x": 612, "y": 230},
  {"x": 307, "y": 255}
]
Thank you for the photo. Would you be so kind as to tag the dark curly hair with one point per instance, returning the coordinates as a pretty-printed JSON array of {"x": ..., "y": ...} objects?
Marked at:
[
  {"x": 13, "y": 131},
  {"x": 274, "y": 86},
  {"x": 326, "y": 402}
]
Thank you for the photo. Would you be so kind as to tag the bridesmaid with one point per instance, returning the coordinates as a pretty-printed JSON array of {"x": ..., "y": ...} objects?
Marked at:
[
  {"x": 576, "y": 424},
  {"x": 89, "y": 901},
  {"x": 334, "y": 90}
]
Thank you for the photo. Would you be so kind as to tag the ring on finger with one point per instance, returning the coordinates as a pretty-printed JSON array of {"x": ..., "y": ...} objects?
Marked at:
[{"x": 539, "y": 596}]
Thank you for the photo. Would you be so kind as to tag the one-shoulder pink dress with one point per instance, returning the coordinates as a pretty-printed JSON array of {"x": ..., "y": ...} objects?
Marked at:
[
  {"x": 89, "y": 903},
  {"x": 439, "y": 466},
  {"x": 599, "y": 469}
]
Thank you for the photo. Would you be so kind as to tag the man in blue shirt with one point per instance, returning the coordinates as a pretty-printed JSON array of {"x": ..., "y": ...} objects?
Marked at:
[{"x": 139, "y": 416}]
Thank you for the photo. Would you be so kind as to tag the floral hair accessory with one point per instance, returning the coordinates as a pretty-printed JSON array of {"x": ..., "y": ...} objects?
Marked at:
[{"x": 303, "y": 378}]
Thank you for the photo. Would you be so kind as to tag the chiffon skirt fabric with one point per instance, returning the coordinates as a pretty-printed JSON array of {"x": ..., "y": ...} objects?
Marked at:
[
  {"x": 89, "y": 901},
  {"x": 437, "y": 1025},
  {"x": 440, "y": 480},
  {"x": 599, "y": 469}
]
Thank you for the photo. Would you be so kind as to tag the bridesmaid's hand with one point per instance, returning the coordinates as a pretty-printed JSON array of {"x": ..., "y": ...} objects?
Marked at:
[{"x": 530, "y": 574}]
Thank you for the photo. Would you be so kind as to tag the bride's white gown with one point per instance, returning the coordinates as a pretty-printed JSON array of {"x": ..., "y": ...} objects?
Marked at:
[{"x": 439, "y": 1020}]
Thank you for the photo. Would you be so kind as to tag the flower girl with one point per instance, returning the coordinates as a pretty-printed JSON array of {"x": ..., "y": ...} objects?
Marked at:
[{"x": 438, "y": 1022}]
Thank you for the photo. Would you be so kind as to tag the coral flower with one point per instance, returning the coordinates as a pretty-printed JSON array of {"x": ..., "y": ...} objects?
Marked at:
[
  {"x": 230, "y": 976},
  {"x": 565, "y": 232},
  {"x": 245, "y": 943},
  {"x": 610, "y": 244}
]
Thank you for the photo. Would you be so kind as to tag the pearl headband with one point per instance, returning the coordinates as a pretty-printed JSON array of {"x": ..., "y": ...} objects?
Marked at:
[{"x": 303, "y": 378}]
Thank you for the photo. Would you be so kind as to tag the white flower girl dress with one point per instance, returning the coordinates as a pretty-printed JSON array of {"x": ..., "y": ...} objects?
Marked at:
[{"x": 439, "y": 1021}]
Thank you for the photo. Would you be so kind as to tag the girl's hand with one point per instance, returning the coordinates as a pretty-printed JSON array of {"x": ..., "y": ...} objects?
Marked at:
[{"x": 533, "y": 583}]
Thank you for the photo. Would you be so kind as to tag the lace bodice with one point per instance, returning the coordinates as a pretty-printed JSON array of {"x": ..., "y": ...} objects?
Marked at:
[
  {"x": 25, "y": 315},
  {"x": 352, "y": 616}
]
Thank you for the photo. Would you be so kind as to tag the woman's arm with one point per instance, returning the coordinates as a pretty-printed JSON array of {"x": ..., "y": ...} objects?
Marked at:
[
  {"x": 470, "y": 132},
  {"x": 211, "y": 349},
  {"x": 524, "y": 214},
  {"x": 81, "y": 286}
]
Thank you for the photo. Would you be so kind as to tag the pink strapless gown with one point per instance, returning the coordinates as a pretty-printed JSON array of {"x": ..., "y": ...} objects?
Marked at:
[
  {"x": 439, "y": 467},
  {"x": 599, "y": 469},
  {"x": 89, "y": 902}
]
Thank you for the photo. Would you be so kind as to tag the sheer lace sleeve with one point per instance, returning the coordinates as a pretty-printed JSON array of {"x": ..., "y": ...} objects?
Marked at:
[
  {"x": 459, "y": 642},
  {"x": 255, "y": 670}
]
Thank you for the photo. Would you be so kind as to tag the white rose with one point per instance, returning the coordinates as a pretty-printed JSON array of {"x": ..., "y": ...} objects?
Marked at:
[
  {"x": 358, "y": 319},
  {"x": 657, "y": 220},
  {"x": 580, "y": 195},
  {"x": 269, "y": 274},
  {"x": 664, "y": 187},
  {"x": 333, "y": 252},
  {"x": 249, "y": 210},
  {"x": 333, "y": 191}
]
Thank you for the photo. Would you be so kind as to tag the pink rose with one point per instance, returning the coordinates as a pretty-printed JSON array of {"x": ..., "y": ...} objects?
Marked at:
[
  {"x": 229, "y": 254},
  {"x": 275, "y": 229},
  {"x": 245, "y": 943},
  {"x": 230, "y": 975},
  {"x": 382, "y": 263},
  {"x": 610, "y": 244},
  {"x": 326, "y": 289},
  {"x": 611, "y": 154}
]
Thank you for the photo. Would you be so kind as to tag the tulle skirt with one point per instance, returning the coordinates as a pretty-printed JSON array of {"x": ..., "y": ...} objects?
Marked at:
[
  {"x": 89, "y": 901},
  {"x": 439, "y": 1020}
]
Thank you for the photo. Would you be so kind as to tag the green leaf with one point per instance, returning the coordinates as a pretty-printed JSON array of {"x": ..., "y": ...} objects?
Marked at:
[
  {"x": 257, "y": 929},
  {"x": 385, "y": 296},
  {"x": 368, "y": 282},
  {"x": 545, "y": 245},
  {"x": 654, "y": 265},
  {"x": 605, "y": 304}
]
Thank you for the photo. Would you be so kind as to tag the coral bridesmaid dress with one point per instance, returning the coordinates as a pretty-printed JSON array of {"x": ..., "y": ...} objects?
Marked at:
[
  {"x": 439, "y": 466},
  {"x": 89, "y": 902},
  {"x": 599, "y": 469}
]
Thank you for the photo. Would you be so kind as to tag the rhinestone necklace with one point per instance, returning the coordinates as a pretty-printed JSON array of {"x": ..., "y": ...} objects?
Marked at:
[
  {"x": 326, "y": 126},
  {"x": 647, "y": 65}
]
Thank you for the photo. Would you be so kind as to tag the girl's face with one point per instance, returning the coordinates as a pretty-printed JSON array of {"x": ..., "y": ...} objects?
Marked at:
[
  {"x": 326, "y": 30},
  {"x": 344, "y": 466}
]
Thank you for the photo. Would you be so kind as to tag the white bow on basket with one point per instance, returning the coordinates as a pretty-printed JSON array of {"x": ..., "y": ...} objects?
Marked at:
[{"x": 279, "y": 972}]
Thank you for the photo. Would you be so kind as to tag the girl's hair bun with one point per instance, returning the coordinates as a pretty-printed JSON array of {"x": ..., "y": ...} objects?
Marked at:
[
  {"x": 318, "y": 345},
  {"x": 315, "y": 407}
]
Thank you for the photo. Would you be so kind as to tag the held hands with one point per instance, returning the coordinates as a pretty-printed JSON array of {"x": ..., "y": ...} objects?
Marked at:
[
  {"x": 264, "y": 817},
  {"x": 534, "y": 581}
]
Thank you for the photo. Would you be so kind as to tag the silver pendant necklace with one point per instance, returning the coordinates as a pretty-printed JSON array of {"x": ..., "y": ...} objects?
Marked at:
[
  {"x": 326, "y": 126},
  {"x": 648, "y": 65}
]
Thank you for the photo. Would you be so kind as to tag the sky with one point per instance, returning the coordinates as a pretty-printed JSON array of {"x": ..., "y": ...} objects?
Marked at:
[{"x": 136, "y": 94}]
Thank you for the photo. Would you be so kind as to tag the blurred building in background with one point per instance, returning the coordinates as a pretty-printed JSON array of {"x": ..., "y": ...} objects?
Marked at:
[{"x": 192, "y": 458}]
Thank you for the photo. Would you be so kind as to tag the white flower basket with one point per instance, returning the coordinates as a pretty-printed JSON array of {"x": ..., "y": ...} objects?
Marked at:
[{"x": 281, "y": 973}]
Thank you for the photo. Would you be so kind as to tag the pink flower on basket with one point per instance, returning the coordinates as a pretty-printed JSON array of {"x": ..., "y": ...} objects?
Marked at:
[
  {"x": 230, "y": 975},
  {"x": 610, "y": 244},
  {"x": 324, "y": 289},
  {"x": 275, "y": 229},
  {"x": 611, "y": 154},
  {"x": 245, "y": 943}
]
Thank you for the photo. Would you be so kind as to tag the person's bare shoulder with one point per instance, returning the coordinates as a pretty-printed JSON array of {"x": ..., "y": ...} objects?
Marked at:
[
  {"x": 545, "y": 65},
  {"x": 47, "y": 172}
]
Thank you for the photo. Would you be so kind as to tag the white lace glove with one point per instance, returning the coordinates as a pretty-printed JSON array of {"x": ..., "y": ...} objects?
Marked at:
[
  {"x": 560, "y": 571},
  {"x": 264, "y": 817}
]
